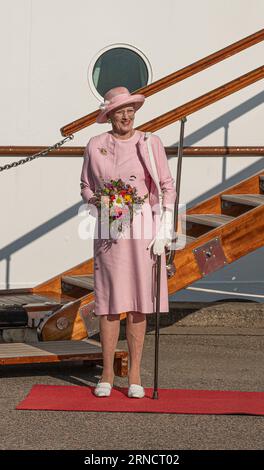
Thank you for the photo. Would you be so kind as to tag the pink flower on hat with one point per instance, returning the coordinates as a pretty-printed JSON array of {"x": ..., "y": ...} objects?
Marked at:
[{"x": 104, "y": 104}]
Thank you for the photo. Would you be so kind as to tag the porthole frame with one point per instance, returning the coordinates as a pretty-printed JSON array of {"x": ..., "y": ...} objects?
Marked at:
[{"x": 108, "y": 48}]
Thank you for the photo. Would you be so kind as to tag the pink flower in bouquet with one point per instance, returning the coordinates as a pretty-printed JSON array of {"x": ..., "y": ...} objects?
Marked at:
[{"x": 123, "y": 212}]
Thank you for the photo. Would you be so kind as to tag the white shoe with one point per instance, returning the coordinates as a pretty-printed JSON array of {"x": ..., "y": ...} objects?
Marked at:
[
  {"x": 136, "y": 391},
  {"x": 103, "y": 389}
]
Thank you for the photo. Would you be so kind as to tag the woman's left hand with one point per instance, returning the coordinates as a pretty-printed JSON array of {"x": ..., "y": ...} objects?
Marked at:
[{"x": 164, "y": 235}]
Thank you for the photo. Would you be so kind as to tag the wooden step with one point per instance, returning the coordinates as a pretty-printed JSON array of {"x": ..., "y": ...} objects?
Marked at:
[
  {"x": 31, "y": 299},
  {"x": 83, "y": 281},
  {"x": 57, "y": 351},
  {"x": 253, "y": 200},
  {"x": 211, "y": 220},
  {"x": 37, "y": 307}
]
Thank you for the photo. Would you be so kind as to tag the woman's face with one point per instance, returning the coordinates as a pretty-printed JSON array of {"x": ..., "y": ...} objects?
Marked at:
[{"x": 123, "y": 119}]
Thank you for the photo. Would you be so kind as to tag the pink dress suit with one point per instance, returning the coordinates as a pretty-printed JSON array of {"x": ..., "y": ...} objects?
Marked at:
[{"x": 124, "y": 270}]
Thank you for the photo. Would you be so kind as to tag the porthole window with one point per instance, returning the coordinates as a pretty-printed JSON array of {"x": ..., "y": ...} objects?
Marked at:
[{"x": 118, "y": 65}]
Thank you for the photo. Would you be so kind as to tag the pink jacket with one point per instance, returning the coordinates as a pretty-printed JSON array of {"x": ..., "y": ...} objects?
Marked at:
[{"x": 165, "y": 178}]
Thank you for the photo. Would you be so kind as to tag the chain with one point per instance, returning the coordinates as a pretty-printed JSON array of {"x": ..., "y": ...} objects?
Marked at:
[{"x": 39, "y": 154}]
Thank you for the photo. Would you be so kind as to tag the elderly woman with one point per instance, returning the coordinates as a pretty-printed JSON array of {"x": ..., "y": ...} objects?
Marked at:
[{"x": 124, "y": 270}]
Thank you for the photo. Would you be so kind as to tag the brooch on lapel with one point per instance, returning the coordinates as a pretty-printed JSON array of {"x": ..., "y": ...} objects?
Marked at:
[{"x": 103, "y": 151}]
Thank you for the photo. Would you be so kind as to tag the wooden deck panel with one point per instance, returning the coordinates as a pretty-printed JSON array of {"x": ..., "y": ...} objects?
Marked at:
[
  {"x": 58, "y": 351},
  {"x": 245, "y": 199},
  {"x": 212, "y": 220},
  {"x": 31, "y": 299}
]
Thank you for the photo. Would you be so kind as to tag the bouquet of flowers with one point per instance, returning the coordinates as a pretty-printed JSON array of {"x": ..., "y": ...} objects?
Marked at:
[{"x": 120, "y": 199}]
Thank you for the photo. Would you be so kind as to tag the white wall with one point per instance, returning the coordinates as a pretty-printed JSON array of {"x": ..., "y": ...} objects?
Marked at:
[{"x": 46, "y": 48}]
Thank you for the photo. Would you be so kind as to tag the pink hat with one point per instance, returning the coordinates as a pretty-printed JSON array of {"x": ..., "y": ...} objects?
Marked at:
[{"x": 116, "y": 97}]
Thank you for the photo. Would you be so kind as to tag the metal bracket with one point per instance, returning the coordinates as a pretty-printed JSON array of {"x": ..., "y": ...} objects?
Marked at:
[
  {"x": 89, "y": 318},
  {"x": 210, "y": 257}
]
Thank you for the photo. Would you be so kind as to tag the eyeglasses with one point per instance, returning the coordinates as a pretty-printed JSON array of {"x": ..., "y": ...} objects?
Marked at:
[{"x": 122, "y": 112}]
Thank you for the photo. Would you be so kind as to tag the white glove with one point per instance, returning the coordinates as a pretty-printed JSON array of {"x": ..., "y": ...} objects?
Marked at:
[{"x": 165, "y": 233}]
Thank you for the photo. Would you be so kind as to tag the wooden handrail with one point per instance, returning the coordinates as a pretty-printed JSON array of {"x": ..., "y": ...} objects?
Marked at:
[
  {"x": 14, "y": 151},
  {"x": 175, "y": 77},
  {"x": 203, "y": 100}
]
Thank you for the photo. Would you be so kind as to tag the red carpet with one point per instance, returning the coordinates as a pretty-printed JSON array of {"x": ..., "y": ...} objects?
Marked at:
[{"x": 81, "y": 398}]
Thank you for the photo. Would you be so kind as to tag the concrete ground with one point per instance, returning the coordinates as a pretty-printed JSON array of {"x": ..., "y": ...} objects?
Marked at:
[{"x": 196, "y": 357}]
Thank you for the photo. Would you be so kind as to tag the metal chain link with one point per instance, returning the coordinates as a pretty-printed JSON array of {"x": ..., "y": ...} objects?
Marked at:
[{"x": 39, "y": 154}]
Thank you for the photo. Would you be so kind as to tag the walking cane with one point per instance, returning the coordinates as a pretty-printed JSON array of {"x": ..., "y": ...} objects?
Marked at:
[
  {"x": 157, "y": 318},
  {"x": 170, "y": 266}
]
